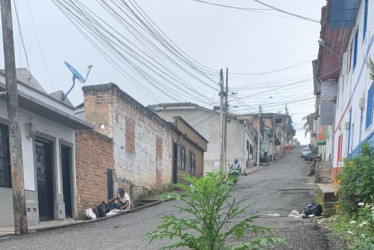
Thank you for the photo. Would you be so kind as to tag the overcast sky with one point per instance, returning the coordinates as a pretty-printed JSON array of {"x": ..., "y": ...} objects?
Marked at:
[{"x": 255, "y": 42}]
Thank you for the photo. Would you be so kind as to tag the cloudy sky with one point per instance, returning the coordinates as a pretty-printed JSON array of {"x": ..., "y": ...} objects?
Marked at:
[{"x": 268, "y": 52}]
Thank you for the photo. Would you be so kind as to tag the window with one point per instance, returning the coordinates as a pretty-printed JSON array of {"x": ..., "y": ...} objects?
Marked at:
[
  {"x": 251, "y": 149},
  {"x": 5, "y": 172},
  {"x": 352, "y": 136},
  {"x": 369, "y": 107},
  {"x": 365, "y": 19},
  {"x": 192, "y": 163},
  {"x": 181, "y": 157},
  {"x": 130, "y": 136},
  {"x": 340, "y": 144},
  {"x": 355, "y": 49}
]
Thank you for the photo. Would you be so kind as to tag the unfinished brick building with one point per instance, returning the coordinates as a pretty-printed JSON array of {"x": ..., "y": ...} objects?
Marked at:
[{"x": 142, "y": 148}]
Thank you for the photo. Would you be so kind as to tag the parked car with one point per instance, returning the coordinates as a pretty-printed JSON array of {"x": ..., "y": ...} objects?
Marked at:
[{"x": 305, "y": 152}]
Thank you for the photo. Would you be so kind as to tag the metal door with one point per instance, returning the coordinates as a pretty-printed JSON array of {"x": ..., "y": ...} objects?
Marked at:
[
  {"x": 44, "y": 175},
  {"x": 66, "y": 179},
  {"x": 175, "y": 162},
  {"x": 110, "y": 183}
]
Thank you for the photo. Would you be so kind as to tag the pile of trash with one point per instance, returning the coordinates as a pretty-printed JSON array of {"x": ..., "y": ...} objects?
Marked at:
[
  {"x": 310, "y": 210},
  {"x": 103, "y": 210}
]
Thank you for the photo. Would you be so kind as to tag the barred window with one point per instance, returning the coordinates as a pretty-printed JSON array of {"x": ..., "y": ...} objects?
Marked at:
[
  {"x": 182, "y": 157},
  {"x": 5, "y": 172},
  {"x": 192, "y": 163}
]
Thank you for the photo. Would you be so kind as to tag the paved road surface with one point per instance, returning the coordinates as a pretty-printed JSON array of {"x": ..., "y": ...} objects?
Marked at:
[{"x": 278, "y": 188}]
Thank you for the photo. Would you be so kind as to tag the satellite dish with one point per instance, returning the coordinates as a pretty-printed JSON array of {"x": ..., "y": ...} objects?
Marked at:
[
  {"x": 75, "y": 72},
  {"x": 76, "y": 75}
]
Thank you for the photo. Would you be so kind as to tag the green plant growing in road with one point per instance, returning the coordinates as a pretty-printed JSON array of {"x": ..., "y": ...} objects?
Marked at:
[{"x": 209, "y": 209}]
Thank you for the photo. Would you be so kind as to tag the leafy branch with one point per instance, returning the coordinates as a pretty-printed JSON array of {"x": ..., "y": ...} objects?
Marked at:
[{"x": 207, "y": 215}]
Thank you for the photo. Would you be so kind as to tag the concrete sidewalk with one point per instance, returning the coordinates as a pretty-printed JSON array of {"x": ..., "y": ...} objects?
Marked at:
[{"x": 54, "y": 224}]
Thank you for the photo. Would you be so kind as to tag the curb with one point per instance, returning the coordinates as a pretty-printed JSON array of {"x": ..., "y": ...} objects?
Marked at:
[{"x": 37, "y": 230}]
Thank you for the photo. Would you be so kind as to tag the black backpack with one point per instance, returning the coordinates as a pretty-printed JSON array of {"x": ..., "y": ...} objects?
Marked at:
[
  {"x": 103, "y": 209},
  {"x": 313, "y": 208}
]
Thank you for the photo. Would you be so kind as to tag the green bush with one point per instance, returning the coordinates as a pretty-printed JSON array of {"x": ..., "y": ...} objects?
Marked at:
[
  {"x": 355, "y": 219},
  {"x": 357, "y": 181},
  {"x": 209, "y": 210},
  {"x": 356, "y": 229}
]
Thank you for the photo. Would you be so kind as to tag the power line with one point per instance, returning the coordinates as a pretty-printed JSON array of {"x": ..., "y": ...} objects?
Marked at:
[
  {"x": 113, "y": 42},
  {"x": 40, "y": 48},
  {"x": 228, "y": 6},
  {"x": 174, "y": 46},
  {"x": 257, "y": 10},
  {"x": 274, "y": 71},
  {"x": 287, "y": 12},
  {"x": 21, "y": 36}
]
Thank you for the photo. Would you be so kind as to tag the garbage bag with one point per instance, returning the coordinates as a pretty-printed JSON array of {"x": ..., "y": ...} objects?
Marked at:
[
  {"x": 113, "y": 212},
  {"x": 103, "y": 209},
  {"x": 90, "y": 214},
  {"x": 313, "y": 208}
]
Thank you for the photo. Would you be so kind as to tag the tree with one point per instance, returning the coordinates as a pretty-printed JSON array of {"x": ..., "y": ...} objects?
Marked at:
[
  {"x": 308, "y": 126},
  {"x": 210, "y": 208}
]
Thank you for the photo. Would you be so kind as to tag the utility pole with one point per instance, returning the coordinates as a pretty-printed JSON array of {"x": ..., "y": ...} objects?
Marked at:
[
  {"x": 258, "y": 137},
  {"x": 18, "y": 186},
  {"x": 226, "y": 118},
  {"x": 221, "y": 93},
  {"x": 273, "y": 139}
]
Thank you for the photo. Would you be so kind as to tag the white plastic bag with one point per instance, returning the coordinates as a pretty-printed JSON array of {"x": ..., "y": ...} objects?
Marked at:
[
  {"x": 90, "y": 214},
  {"x": 113, "y": 212}
]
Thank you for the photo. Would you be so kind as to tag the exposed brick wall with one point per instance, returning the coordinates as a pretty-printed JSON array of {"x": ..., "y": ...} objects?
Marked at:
[
  {"x": 98, "y": 111},
  {"x": 130, "y": 136},
  {"x": 138, "y": 162},
  {"x": 158, "y": 148},
  {"x": 94, "y": 156}
]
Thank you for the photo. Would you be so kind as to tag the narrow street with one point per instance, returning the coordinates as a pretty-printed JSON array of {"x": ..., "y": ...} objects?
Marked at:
[{"x": 277, "y": 188}]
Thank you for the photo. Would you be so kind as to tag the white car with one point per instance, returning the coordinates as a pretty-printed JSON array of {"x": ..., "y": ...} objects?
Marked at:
[{"x": 305, "y": 152}]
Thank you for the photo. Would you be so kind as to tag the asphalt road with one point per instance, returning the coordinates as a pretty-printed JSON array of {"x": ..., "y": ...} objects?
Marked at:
[{"x": 277, "y": 188}]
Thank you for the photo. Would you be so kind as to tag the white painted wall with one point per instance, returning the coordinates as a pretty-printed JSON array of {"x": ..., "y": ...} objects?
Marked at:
[
  {"x": 49, "y": 128},
  {"x": 353, "y": 86},
  {"x": 207, "y": 123}
]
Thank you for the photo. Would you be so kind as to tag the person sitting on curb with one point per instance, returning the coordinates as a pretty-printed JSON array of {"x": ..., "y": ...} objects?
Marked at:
[{"x": 121, "y": 202}]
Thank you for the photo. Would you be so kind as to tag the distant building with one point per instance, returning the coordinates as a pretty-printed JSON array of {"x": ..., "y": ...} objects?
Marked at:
[
  {"x": 276, "y": 131},
  {"x": 241, "y": 137},
  {"x": 188, "y": 150}
]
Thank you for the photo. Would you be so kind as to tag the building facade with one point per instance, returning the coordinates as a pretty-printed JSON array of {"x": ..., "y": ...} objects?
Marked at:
[
  {"x": 343, "y": 69},
  {"x": 142, "y": 140},
  {"x": 188, "y": 150},
  {"x": 241, "y": 143},
  {"x": 47, "y": 127},
  {"x": 276, "y": 132}
]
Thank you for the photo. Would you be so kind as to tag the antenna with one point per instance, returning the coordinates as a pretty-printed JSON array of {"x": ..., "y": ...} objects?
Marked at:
[{"x": 76, "y": 75}]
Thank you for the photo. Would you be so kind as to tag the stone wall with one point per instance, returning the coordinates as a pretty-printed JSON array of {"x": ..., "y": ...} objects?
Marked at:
[{"x": 94, "y": 156}]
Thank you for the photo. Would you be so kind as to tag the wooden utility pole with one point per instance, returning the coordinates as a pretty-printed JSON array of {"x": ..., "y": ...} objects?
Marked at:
[
  {"x": 273, "y": 154},
  {"x": 226, "y": 119},
  {"x": 221, "y": 94},
  {"x": 258, "y": 137},
  {"x": 18, "y": 187}
]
